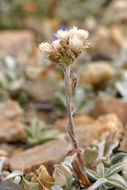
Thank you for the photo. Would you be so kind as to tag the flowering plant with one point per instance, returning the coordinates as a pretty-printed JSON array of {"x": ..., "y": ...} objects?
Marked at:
[{"x": 64, "y": 52}]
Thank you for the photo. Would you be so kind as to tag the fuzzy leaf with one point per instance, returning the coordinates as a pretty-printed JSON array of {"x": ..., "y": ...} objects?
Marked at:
[
  {"x": 70, "y": 182},
  {"x": 109, "y": 146},
  {"x": 117, "y": 157},
  {"x": 119, "y": 178},
  {"x": 37, "y": 134},
  {"x": 100, "y": 169},
  {"x": 101, "y": 147},
  {"x": 90, "y": 155},
  {"x": 92, "y": 174},
  {"x": 121, "y": 86},
  {"x": 68, "y": 160},
  {"x": 1, "y": 163},
  {"x": 102, "y": 187},
  {"x": 13, "y": 174},
  {"x": 117, "y": 184},
  {"x": 97, "y": 183},
  {"x": 28, "y": 132},
  {"x": 56, "y": 187},
  {"x": 114, "y": 169}
]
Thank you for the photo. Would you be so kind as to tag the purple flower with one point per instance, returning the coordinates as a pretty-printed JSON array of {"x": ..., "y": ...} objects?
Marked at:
[{"x": 61, "y": 27}]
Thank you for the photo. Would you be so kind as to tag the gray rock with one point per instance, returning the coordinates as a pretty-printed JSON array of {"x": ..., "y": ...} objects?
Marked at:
[
  {"x": 14, "y": 42},
  {"x": 32, "y": 158}
]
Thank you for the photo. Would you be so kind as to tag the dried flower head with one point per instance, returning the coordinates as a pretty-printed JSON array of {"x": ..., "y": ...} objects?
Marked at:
[{"x": 67, "y": 47}]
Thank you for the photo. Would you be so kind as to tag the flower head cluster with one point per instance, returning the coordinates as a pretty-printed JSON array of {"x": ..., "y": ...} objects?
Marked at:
[{"x": 67, "y": 47}]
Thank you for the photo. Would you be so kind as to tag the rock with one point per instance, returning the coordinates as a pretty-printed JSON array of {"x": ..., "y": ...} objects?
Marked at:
[
  {"x": 101, "y": 128},
  {"x": 119, "y": 10},
  {"x": 96, "y": 73},
  {"x": 11, "y": 131},
  {"x": 45, "y": 26},
  {"x": 3, "y": 153},
  {"x": 10, "y": 185},
  {"x": 100, "y": 40},
  {"x": 123, "y": 145},
  {"x": 93, "y": 131},
  {"x": 40, "y": 90},
  {"x": 79, "y": 120},
  {"x": 9, "y": 110},
  {"x": 119, "y": 35},
  {"x": 14, "y": 42},
  {"x": 104, "y": 105},
  {"x": 9, "y": 148},
  {"x": 33, "y": 71},
  {"x": 100, "y": 36},
  {"x": 90, "y": 24},
  {"x": 32, "y": 158}
]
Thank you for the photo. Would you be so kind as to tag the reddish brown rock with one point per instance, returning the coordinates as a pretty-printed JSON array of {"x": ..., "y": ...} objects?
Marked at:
[
  {"x": 34, "y": 157},
  {"x": 9, "y": 110},
  {"x": 80, "y": 120},
  {"x": 15, "y": 42},
  {"x": 92, "y": 131},
  {"x": 119, "y": 35},
  {"x": 106, "y": 105},
  {"x": 11, "y": 131},
  {"x": 96, "y": 73}
]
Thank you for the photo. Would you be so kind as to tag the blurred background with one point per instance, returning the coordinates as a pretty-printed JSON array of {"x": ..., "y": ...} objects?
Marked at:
[{"x": 32, "y": 97}]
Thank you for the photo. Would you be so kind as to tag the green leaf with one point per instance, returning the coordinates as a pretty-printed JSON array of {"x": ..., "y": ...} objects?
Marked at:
[
  {"x": 41, "y": 141},
  {"x": 100, "y": 169},
  {"x": 117, "y": 184},
  {"x": 98, "y": 183},
  {"x": 28, "y": 132},
  {"x": 102, "y": 187},
  {"x": 38, "y": 134},
  {"x": 117, "y": 157},
  {"x": 119, "y": 178},
  {"x": 70, "y": 182},
  {"x": 35, "y": 125},
  {"x": 114, "y": 169},
  {"x": 22, "y": 99},
  {"x": 92, "y": 174},
  {"x": 56, "y": 187},
  {"x": 109, "y": 147},
  {"x": 90, "y": 155}
]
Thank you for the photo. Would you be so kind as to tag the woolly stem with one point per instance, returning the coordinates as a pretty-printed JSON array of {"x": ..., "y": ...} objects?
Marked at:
[{"x": 70, "y": 128}]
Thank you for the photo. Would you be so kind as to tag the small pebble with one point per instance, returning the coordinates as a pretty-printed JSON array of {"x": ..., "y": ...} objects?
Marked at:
[{"x": 17, "y": 179}]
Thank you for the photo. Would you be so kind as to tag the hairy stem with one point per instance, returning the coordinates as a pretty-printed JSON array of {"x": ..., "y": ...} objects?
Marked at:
[{"x": 71, "y": 129}]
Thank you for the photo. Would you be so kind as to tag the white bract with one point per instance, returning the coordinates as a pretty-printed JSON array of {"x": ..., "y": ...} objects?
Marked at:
[{"x": 67, "y": 47}]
